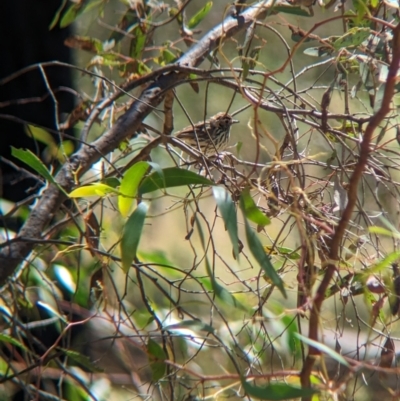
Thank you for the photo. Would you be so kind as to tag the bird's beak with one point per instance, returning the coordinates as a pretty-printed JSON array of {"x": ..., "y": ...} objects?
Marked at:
[{"x": 235, "y": 121}]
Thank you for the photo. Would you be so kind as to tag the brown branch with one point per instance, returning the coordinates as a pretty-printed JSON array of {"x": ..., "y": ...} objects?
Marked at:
[
  {"x": 127, "y": 125},
  {"x": 365, "y": 150}
]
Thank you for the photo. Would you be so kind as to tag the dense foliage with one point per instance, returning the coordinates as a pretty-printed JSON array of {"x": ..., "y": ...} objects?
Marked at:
[{"x": 149, "y": 269}]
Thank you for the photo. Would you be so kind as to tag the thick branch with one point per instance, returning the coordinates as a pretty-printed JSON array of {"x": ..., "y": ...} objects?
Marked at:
[{"x": 125, "y": 126}]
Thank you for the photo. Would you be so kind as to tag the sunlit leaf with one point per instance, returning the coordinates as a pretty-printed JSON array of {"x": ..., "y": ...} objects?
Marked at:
[
  {"x": 64, "y": 278},
  {"x": 129, "y": 186},
  {"x": 251, "y": 211},
  {"x": 172, "y": 177},
  {"x": 40, "y": 134},
  {"x": 51, "y": 311},
  {"x": 324, "y": 348},
  {"x": 97, "y": 189},
  {"x": 383, "y": 231},
  {"x": 228, "y": 212},
  {"x": 131, "y": 235},
  {"x": 200, "y": 15}
]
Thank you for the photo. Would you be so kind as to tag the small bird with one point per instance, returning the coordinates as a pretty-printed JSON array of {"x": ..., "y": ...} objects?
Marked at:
[{"x": 210, "y": 136}]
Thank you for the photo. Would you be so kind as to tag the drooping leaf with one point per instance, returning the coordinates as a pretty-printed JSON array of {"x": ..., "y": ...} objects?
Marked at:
[
  {"x": 131, "y": 235},
  {"x": 172, "y": 177},
  {"x": 57, "y": 15},
  {"x": 276, "y": 391},
  {"x": 228, "y": 212},
  {"x": 35, "y": 163},
  {"x": 5, "y": 338},
  {"x": 259, "y": 254},
  {"x": 352, "y": 38},
  {"x": 251, "y": 211},
  {"x": 76, "y": 10},
  {"x": 383, "y": 231},
  {"x": 51, "y": 310},
  {"x": 138, "y": 43},
  {"x": 129, "y": 186},
  {"x": 83, "y": 360},
  {"x": 200, "y": 15},
  {"x": 324, "y": 348},
  {"x": 97, "y": 189},
  {"x": 157, "y": 357},
  {"x": 195, "y": 325},
  {"x": 70, "y": 15},
  {"x": 40, "y": 134}
]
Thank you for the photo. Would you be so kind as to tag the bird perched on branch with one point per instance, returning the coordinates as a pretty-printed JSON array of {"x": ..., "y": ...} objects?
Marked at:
[{"x": 211, "y": 136}]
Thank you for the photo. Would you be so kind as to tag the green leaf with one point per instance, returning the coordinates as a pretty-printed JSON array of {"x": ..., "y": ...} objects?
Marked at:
[
  {"x": 70, "y": 15},
  {"x": 76, "y": 10},
  {"x": 259, "y": 254},
  {"x": 97, "y": 189},
  {"x": 35, "y": 163},
  {"x": 196, "y": 325},
  {"x": 324, "y": 348},
  {"x": 276, "y": 391},
  {"x": 112, "y": 182},
  {"x": 251, "y": 211},
  {"x": 292, "y": 10},
  {"x": 56, "y": 17},
  {"x": 5, "y": 338},
  {"x": 167, "y": 57},
  {"x": 129, "y": 186},
  {"x": 228, "y": 212},
  {"x": 157, "y": 357},
  {"x": 352, "y": 38},
  {"x": 83, "y": 360},
  {"x": 382, "y": 265},
  {"x": 383, "y": 231},
  {"x": 40, "y": 134},
  {"x": 138, "y": 43},
  {"x": 172, "y": 177},
  {"x": 200, "y": 15},
  {"x": 131, "y": 235}
]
